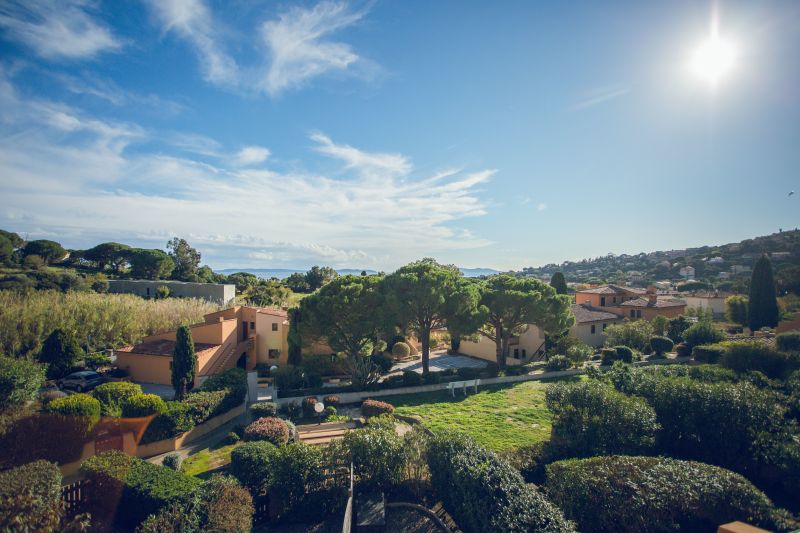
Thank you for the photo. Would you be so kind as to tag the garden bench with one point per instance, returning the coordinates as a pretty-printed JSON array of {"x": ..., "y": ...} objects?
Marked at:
[{"x": 453, "y": 385}]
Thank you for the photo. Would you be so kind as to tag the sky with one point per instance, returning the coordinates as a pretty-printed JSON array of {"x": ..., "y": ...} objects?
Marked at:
[{"x": 370, "y": 134}]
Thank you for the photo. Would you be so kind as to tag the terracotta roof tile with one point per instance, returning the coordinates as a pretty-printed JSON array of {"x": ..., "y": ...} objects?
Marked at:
[
  {"x": 163, "y": 347},
  {"x": 585, "y": 313}
]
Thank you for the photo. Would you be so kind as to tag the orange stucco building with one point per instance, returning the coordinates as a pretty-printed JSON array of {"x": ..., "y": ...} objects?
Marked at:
[
  {"x": 629, "y": 302},
  {"x": 238, "y": 336}
]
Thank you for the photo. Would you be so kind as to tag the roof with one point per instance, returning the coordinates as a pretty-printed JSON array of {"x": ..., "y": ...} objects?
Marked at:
[
  {"x": 645, "y": 302},
  {"x": 613, "y": 289},
  {"x": 163, "y": 347},
  {"x": 273, "y": 312},
  {"x": 585, "y": 313},
  {"x": 707, "y": 294}
]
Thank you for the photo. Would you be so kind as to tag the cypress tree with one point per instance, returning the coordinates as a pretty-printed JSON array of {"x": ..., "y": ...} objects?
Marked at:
[
  {"x": 184, "y": 362},
  {"x": 559, "y": 283},
  {"x": 763, "y": 302},
  {"x": 60, "y": 352},
  {"x": 295, "y": 356}
]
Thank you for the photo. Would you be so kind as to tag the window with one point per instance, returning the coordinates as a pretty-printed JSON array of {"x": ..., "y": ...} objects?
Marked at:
[
  {"x": 593, "y": 329},
  {"x": 273, "y": 354},
  {"x": 516, "y": 353},
  {"x": 252, "y": 325},
  {"x": 274, "y": 326},
  {"x": 633, "y": 313},
  {"x": 602, "y": 301},
  {"x": 614, "y": 299},
  {"x": 638, "y": 314},
  {"x": 604, "y": 326},
  {"x": 524, "y": 355}
]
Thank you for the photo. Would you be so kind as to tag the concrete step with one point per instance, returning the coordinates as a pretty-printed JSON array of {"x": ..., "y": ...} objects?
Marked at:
[
  {"x": 321, "y": 434},
  {"x": 321, "y": 440}
]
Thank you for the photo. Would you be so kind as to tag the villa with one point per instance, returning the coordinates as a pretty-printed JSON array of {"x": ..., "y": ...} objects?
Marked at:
[{"x": 629, "y": 302}]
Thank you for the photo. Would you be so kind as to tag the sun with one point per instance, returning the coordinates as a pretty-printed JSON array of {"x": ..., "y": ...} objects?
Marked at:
[{"x": 714, "y": 59}]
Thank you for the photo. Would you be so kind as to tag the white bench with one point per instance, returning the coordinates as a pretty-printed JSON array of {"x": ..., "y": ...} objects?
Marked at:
[{"x": 453, "y": 385}]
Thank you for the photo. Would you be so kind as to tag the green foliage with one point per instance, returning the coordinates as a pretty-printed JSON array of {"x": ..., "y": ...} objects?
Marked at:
[
  {"x": 660, "y": 325},
  {"x": 225, "y": 506},
  {"x": 363, "y": 372},
  {"x": 789, "y": 341},
  {"x": 763, "y": 301},
  {"x": 295, "y": 471},
  {"x": 485, "y": 493},
  {"x": 624, "y": 354},
  {"x": 262, "y": 409},
  {"x": 150, "y": 264},
  {"x": 162, "y": 291},
  {"x": 557, "y": 363},
  {"x": 660, "y": 345},
  {"x": 270, "y": 429},
  {"x": 401, "y": 350},
  {"x": 383, "y": 361},
  {"x": 677, "y": 326},
  {"x": 176, "y": 419},
  {"x": 294, "y": 338},
  {"x": 559, "y": 283},
  {"x": 411, "y": 378},
  {"x": 114, "y": 395},
  {"x": 173, "y": 461},
  {"x": 578, "y": 352},
  {"x": 608, "y": 356},
  {"x": 49, "y": 251},
  {"x": 30, "y": 499},
  {"x": 141, "y": 405},
  {"x": 269, "y": 293},
  {"x": 234, "y": 382},
  {"x": 186, "y": 259},
  {"x": 250, "y": 464},
  {"x": 756, "y": 356},
  {"x": 736, "y": 309},
  {"x": 184, "y": 361},
  {"x": 81, "y": 405},
  {"x": 376, "y": 408},
  {"x": 377, "y": 454},
  {"x": 20, "y": 381},
  {"x": 317, "y": 277},
  {"x": 6, "y": 251},
  {"x": 308, "y": 404},
  {"x": 60, "y": 352},
  {"x": 643, "y": 494},
  {"x": 14, "y": 238},
  {"x": 708, "y": 353},
  {"x": 590, "y": 418},
  {"x": 635, "y": 334},
  {"x": 703, "y": 333}
]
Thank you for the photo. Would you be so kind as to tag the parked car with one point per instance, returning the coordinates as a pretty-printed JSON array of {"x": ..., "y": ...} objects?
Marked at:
[{"x": 82, "y": 381}]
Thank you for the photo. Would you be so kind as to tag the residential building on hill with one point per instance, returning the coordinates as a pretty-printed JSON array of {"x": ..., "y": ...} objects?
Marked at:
[
  {"x": 713, "y": 301},
  {"x": 591, "y": 323},
  {"x": 629, "y": 302},
  {"x": 522, "y": 348},
  {"x": 213, "y": 292},
  {"x": 235, "y": 337}
]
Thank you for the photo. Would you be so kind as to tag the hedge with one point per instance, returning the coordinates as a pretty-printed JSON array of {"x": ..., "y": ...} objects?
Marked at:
[
  {"x": 130, "y": 489},
  {"x": 377, "y": 454},
  {"x": 617, "y": 353},
  {"x": 20, "y": 381},
  {"x": 789, "y": 341},
  {"x": 557, "y": 363},
  {"x": 749, "y": 356},
  {"x": 708, "y": 353},
  {"x": 703, "y": 333},
  {"x": 113, "y": 395},
  {"x": 250, "y": 464},
  {"x": 141, "y": 405},
  {"x": 270, "y": 429},
  {"x": 376, "y": 408},
  {"x": 262, "y": 409},
  {"x": 75, "y": 405},
  {"x": 661, "y": 345},
  {"x": 175, "y": 419},
  {"x": 590, "y": 418},
  {"x": 234, "y": 380},
  {"x": 30, "y": 498},
  {"x": 205, "y": 404},
  {"x": 411, "y": 378},
  {"x": 643, "y": 494},
  {"x": 484, "y": 493}
]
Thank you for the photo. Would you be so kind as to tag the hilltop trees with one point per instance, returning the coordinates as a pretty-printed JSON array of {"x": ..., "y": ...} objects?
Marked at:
[
  {"x": 186, "y": 258},
  {"x": 312, "y": 280},
  {"x": 559, "y": 283},
  {"x": 763, "y": 301},
  {"x": 184, "y": 362},
  {"x": 49, "y": 251},
  {"x": 111, "y": 254},
  {"x": 150, "y": 264},
  {"x": 268, "y": 293},
  {"x": 512, "y": 303}
]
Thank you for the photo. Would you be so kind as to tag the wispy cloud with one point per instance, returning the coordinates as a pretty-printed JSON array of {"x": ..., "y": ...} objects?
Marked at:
[
  {"x": 541, "y": 206},
  {"x": 599, "y": 95},
  {"x": 251, "y": 155},
  {"x": 192, "y": 20},
  {"x": 112, "y": 93},
  {"x": 56, "y": 29},
  {"x": 371, "y": 209}
]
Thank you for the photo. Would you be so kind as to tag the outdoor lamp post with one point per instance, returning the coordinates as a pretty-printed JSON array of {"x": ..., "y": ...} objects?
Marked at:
[{"x": 318, "y": 408}]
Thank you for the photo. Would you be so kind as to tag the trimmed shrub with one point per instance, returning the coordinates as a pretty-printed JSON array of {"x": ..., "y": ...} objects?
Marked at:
[
  {"x": 250, "y": 464},
  {"x": 20, "y": 381},
  {"x": 703, "y": 333},
  {"x": 142, "y": 405},
  {"x": 113, "y": 395},
  {"x": 485, "y": 493},
  {"x": 757, "y": 356},
  {"x": 661, "y": 345},
  {"x": 383, "y": 361},
  {"x": 291, "y": 409},
  {"x": 173, "y": 461},
  {"x": 308, "y": 404},
  {"x": 788, "y": 342},
  {"x": 708, "y": 353},
  {"x": 608, "y": 356},
  {"x": 432, "y": 378},
  {"x": 226, "y": 505},
  {"x": 411, "y": 378},
  {"x": 643, "y": 494},
  {"x": 288, "y": 377},
  {"x": 262, "y": 409},
  {"x": 590, "y": 418},
  {"x": 401, "y": 350},
  {"x": 205, "y": 404},
  {"x": 624, "y": 354},
  {"x": 234, "y": 381},
  {"x": 176, "y": 419},
  {"x": 557, "y": 363},
  {"x": 468, "y": 373},
  {"x": 79, "y": 404},
  {"x": 683, "y": 350},
  {"x": 39, "y": 478},
  {"x": 332, "y": 401},
  {"x": 30, "y": 498},
  {"x": 295, "y": 471},
  {"x": 272, "y": 430},
  {"x": 377, "y": 454},
  {"x": 376, "y": 408}
]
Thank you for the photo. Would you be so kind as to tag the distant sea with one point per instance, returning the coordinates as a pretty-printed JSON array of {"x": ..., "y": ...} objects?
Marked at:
[{"x": 281, "y": 273}]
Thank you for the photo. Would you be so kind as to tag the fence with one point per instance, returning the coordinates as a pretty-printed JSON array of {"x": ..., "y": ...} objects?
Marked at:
[{"x": 74, "y": 497}]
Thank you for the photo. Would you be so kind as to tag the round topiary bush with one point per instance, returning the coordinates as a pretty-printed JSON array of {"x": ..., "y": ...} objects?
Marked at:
[
  {"x": 173, "y": 461},
  {"x": 113, "y": 395},
  {"x": 308, "y": 406},
  {"x": 141, "y": 405},
  {"x": 683, "y": 349},
  {"x": 376, "y": 408},
  {"x": 411, "y": 379},
  {"x": 624, "y": 354},
  {"x": 263, "y": 409},
  {"x": 332, "y": 401},
  {"x": 661, "y": 345},
  {"x": 270, "y": 429},
  {"x": 75, "y": 405},
  {"x": 608, "y": 356},
  {"x": 401, "y": 350},
  {"x": 557, "y": 363}
]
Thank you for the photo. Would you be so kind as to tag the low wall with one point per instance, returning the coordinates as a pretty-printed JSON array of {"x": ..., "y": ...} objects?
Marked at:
[{"x": 170, "y": 445}]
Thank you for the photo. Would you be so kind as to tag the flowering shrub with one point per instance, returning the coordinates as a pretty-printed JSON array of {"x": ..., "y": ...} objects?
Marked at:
[
  {"x": 262, "y": 409},
  {"x": 308, "y": 406},
  {"x": 270, "y": 429},
  {"x": 375, "y": 408},
  {"x": 332, "y": 401}
]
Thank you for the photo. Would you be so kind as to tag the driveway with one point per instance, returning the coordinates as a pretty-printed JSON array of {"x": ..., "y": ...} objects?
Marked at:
[
  {"x": 442, "y": 361},
  {"x": 165, "y": 391}
]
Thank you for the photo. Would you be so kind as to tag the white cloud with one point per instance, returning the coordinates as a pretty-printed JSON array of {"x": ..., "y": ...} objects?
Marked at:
[
  {"x": 57, "y": 29},
  {"x": 541, "y": 206},
  {"x": 251, "y": 155},
  {"x": 192, "y": 20},
  {"x": 298, "y": 47},
  {"x": 73, "y": 175}
]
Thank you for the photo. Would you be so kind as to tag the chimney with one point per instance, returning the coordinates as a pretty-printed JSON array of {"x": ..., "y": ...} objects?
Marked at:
[{"x": 652, "y": 294}]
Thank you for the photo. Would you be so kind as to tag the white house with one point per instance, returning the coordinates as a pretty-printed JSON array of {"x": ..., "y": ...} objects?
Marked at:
[
  {"x": 591, "y": 323},
  {"x": 521, "y": 348}
]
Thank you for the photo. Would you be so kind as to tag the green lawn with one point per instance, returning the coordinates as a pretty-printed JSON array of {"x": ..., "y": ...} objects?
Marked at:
[
  {"x": 206, "y": 461},
  {"x": 498, "y": 417}
]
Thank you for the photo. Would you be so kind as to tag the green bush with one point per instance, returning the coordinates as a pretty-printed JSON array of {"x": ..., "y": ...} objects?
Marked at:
[
  {"x": 234, "y": 381},
  {"x": 112, "y": 396},
  {"x": 20, "y": 381},
  {"x": 578, "y": 352},
  {"x": 708, "y": 353},
  {"x": 432, "y": 378},
  {"x": 383, "y": 361},
  {"x": 75, "y": 405},
  {"x": 703, "y": 333},
  {"x": 329, "y": 413},
  {"x": 308, "y": 404},
  {"x": 288, "y": 377},
  {"x": 789, "y": 341},
  {"x": 377, "y": 454},
  {"x": 376, "y": 408},
  {"x": 636, "y": 334},
  {"x": 291, "y": 409},
  {"x": 608, "y": 356},
  {"x": 557, "y": 363},
  {"x": 643, "y": 494},
  {"x": 624, "y": 354},
  {"x": 270, "y": 429},
  {"x": 141, "y": 405},
  {"x": 175, "y": 419},
  {"x": 262, "y": 409},
  {"x": 468, "y": 373},
  {"x": 250, "y": 464},
  {"x": 683, "y": 350},
  {"x": 401, "y": 350},
  {"x": 132, "y": 488},
  {"x": 30, "y": 498},
  {"x": 749, "y": 356},
  {"x": 411, "y": 378},
  {"x": 205, "y": 404},
  {"x": 484, "y": 493},
  {"x": 39, "y": 478},
  {"x": 332, "y": 401},
  {"x": 660, "y": 345},
  {"x": 173, "y": 461},
  {"x": 591, "y": 418},
  {"x": 295, "y": 471}
]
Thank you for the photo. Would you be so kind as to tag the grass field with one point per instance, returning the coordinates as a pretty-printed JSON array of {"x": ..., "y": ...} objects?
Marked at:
[
  {"x": 205, "y": 462},
  {"x": 499, "y": 417}
]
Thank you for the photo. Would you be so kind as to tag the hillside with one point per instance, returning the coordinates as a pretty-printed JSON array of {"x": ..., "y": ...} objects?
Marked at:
[{"x": 722, "y": 266}]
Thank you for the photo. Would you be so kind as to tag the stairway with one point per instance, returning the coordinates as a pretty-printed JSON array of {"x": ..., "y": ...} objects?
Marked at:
[
  {"x": 220, "y": 361},
  {"x": 323, "y": 433}
]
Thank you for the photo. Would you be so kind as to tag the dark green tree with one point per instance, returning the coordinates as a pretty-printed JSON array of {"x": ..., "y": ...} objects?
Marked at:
[
  {"x": 184, "y": 362},
  {"x": 60, "y": 352},
  {"x": 319, "y": 276},
  {"x": 186, "y": 259},
  {"x": 49, "y": 251},
  {"x": 6, "y": 251},
  {"x": 294, "y": 339},
  {"x": 763, "y": 301},
  {"x": 16, "y": 240},
  {"x": 244, "y": 281},
  {"x": 511, "y": 303},
  {"x": 736, "y": 309},
  {"x": 297, "y": 282},
  {"x": 559, "y": 283},
  {"x": 111, "y": 254},
  {"x": 150, "y": 264},
  {"x": 269, "y": 293}
]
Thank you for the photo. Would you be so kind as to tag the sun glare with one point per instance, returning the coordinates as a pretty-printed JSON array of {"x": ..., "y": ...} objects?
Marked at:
[{"x": 714, "y": 59}]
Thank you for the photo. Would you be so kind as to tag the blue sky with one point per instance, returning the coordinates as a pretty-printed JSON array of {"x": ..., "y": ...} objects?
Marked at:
[{"x": 367, "y": 135}]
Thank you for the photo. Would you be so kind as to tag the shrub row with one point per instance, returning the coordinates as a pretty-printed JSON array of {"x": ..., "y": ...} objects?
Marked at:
[
  {"x": 30, "y": 498},
  {"x": 376, "y": 408}
]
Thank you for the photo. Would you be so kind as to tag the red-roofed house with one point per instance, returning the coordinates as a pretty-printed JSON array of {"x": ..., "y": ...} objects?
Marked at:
[{"x": 628, "y": 302}]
